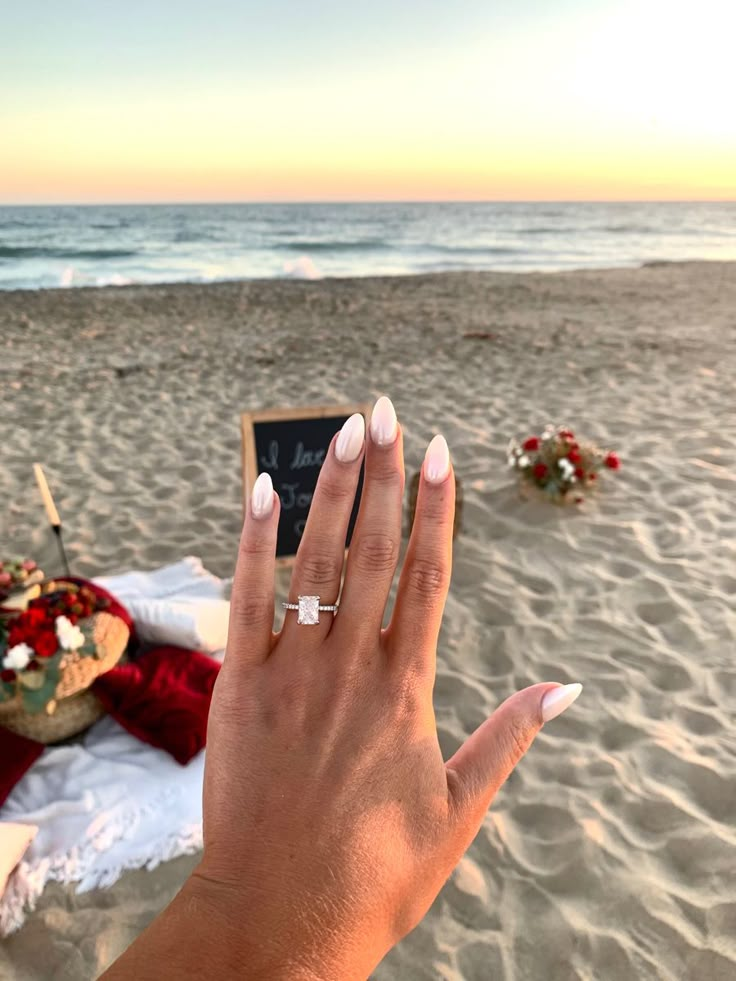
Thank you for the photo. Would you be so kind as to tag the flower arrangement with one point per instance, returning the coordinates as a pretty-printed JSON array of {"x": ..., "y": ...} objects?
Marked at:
[
  {"x": 17, "y": 573},
  {"x": 37, "y": 644},
  {"x": 558, "y": 465}
]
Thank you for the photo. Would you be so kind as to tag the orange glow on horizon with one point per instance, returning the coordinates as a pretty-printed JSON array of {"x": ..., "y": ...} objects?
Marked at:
[{"x": 597, "y": 108}]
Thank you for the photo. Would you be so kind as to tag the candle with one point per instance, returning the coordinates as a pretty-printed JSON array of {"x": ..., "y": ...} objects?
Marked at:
[{"x": 48, "y": 501}]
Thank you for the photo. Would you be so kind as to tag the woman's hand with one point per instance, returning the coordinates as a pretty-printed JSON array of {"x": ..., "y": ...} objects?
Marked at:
[{"x": 331, "y": 820}]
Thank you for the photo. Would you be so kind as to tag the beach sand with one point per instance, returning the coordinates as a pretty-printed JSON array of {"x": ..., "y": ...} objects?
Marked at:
[{"x": 609, "y": 854}]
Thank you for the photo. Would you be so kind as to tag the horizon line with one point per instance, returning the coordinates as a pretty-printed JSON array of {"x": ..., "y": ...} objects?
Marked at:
[{"x": 358, "y": 201}]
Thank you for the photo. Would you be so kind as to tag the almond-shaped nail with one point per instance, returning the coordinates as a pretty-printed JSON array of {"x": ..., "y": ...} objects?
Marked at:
[
  {"x": 383, "y": 422},
  {"x": 557, "y": 700},
  {"x": 437, "y": 460},
  {"x": 350, "y": 439},
  {"x": 261, "y": 500}
]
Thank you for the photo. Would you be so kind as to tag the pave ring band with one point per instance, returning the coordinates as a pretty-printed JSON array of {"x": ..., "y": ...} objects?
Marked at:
[{"x": 309, "y": 608}]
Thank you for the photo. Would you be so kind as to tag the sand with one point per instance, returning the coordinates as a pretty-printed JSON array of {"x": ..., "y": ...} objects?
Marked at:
[{"x": 610, "y": 852}]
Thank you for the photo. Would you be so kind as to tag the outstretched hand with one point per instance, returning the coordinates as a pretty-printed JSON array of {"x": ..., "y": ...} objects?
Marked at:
[{"x": 331, "y": 820}]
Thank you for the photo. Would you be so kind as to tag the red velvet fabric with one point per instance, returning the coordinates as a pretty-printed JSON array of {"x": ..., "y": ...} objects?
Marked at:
[
  {"x": 17, "y": 754},
  {"x": 162, "y": 698}
]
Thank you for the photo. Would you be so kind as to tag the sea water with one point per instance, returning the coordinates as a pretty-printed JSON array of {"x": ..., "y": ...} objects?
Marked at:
[{"x": 68, "y": 246}]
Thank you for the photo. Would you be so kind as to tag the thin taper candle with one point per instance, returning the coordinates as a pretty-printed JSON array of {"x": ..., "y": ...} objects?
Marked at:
[{"x": 48, "y": 501}]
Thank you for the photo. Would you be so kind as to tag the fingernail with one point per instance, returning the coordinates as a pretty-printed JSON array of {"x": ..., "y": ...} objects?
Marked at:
[
  {"x": 437, "y": 460},
  {"x": 350, "y": 440},
  {"x": 383, "y": 422},
  {"x": 261, "y": 500},
  {"x": 557, "y": 700}
]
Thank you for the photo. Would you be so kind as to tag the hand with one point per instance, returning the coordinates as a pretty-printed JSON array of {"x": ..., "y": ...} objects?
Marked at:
[{"x": 331, "y": 820}]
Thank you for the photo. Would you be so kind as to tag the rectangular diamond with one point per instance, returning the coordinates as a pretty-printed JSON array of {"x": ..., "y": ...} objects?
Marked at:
[{"x": 308, "y": 610}]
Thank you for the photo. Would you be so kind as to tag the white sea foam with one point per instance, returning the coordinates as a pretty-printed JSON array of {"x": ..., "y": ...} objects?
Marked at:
[{"x": 302, "y": 268}]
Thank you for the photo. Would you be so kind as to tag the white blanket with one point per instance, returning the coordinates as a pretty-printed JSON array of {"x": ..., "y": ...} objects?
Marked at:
[{"x": 111, "y": 803}]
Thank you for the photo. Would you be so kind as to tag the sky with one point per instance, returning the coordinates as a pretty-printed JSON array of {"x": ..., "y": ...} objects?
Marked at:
[{"x": 303, "y": 100}]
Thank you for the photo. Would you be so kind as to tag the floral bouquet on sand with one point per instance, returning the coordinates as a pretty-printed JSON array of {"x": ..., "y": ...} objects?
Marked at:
[
  {"x": 39, "y": 644},
  {"x": 559, "y": 466}
]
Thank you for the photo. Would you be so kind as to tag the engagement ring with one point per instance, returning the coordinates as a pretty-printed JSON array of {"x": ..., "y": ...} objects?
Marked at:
[{"x": 309, "y": 609}]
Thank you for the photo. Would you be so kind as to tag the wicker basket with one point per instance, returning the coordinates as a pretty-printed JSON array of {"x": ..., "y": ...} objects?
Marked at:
[
  {"x": 74, "y": 708},
  {"x": 71, "y": 716}
]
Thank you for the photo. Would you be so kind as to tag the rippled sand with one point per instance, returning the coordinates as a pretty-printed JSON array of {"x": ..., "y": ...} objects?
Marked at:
[{"x": 610, "y": 852}]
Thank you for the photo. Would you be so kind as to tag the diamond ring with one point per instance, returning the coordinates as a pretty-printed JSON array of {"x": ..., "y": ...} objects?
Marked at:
[{"x": 309, "y": 609}]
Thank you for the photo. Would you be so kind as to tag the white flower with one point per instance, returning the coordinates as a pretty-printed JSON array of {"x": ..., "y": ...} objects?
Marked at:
[
  {"x": 511, "y": 461},
  {"x": 524, "y": 461},
  {"x": 18, "y": 657},
  {"x": 564, "y": 464},
  {"x": 70, "y": 636}
]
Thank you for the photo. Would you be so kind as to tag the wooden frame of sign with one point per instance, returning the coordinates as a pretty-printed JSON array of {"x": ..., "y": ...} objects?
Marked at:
[{"x": 302, "y": 459}]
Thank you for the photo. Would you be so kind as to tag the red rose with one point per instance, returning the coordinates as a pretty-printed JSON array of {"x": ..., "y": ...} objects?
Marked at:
[
  {"x": 567, "y": 434},
  {"x": 7, "y": 675},
  {"x": 34, "y": 618},
  {"x": 612, "y": 461},
  {"x": 540, "y": 471},
  {"x": 574, "y": 456},
  {"x": 17, "y": 634},
  {"x": 580, "y": 473},
  {"x": 46, "y": 644},
  {"x": 531, "y": 445}
]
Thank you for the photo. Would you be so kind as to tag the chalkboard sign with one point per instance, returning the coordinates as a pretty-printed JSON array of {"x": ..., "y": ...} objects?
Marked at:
[{"x": 291, "y": 445}]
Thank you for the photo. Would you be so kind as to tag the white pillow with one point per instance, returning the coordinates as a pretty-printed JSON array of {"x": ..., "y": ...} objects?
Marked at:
[
  {"x": 14, "y": 840},
  {"x": 200, "y": 624}
]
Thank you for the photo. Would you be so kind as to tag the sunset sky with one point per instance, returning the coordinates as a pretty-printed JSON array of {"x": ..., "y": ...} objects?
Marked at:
[{"x": 334, "y": 100}]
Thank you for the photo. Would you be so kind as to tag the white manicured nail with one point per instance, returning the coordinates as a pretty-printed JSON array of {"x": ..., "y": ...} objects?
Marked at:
[
  {"x": 383, "y": 422},
  {"x": 437, "y": 460},
  {"x": 261, "y": 500},
  {"x": 557, "y": 700},
  {"x": 351, "y": 438}
]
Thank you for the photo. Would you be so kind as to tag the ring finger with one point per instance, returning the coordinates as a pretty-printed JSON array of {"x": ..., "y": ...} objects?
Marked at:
[{"x": 321, "y": 553}]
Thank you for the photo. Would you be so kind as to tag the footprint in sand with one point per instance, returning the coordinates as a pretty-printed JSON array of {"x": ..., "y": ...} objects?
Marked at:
[
  {"x": 661, "y": 611},
  {"x": 671, "y": 677}
]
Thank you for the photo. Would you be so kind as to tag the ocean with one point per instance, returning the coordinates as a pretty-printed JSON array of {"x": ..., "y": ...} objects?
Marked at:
[{"x": 69, "y": 246}]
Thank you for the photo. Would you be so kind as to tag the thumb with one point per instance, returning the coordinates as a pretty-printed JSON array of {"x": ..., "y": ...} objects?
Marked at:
[{"x": 481, "y": 765}]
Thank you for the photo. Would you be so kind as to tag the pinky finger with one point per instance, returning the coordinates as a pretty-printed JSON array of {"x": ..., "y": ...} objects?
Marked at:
[{"x": 251, "y": 605}]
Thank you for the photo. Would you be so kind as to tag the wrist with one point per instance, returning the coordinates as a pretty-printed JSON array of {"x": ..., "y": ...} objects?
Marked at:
[
  {"x": 244, "y": 945},
  {"x": 255, "y": 938}
]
